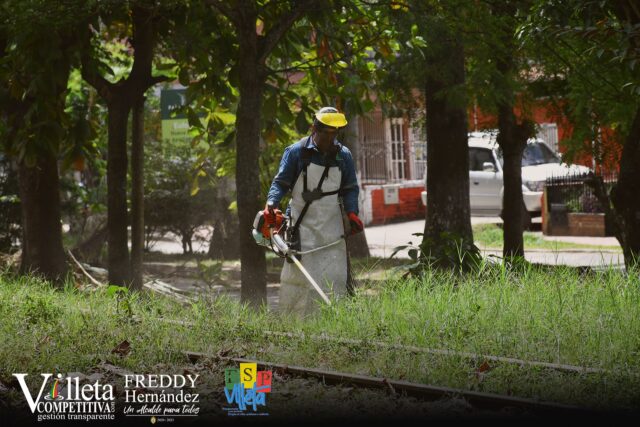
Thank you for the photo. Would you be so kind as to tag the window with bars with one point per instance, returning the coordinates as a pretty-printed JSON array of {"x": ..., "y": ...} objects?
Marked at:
[
  {"x": 418, "y": 151},
  {"x": 396, "y": 159},
  {"x": 373, "y": 149},
  {"x": 391, "y": 149}
]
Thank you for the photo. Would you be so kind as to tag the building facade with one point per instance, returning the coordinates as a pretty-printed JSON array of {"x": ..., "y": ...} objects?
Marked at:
[{"x": 392, "y": 159}]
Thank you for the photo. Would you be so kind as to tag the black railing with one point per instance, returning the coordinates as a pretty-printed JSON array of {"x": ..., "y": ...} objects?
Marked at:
[{"x": 572, "y": 193}]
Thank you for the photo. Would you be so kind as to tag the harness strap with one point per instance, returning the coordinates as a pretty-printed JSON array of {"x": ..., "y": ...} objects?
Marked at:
[
  {"x": 316, "y": 194},
  {"x": 325, "y": 173},
  {"x": 310, "y": 196}
]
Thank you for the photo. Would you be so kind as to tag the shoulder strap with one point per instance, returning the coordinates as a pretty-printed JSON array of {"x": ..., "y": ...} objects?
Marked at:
[
  {"x": 318, "y": 189},
  {"x": 310, "y": 196},
  {"x": 305, "y": 156}
]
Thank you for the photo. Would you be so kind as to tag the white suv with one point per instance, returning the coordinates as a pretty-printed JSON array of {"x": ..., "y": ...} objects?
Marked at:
[{"x": 486, "y": 188}]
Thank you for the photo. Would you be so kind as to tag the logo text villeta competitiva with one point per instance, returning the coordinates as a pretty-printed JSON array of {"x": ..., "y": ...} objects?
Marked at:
[{"x": 66, "y": 399}]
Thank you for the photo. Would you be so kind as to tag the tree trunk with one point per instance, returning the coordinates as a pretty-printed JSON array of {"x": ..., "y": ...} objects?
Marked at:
[
  {"x": 252, "y": 257},
  {"x": 513, "y": 244},
  {"x": 117, "y": 240},
  {"x": 357, "y": 245},
  {"x": 137, "y": 192},
  {"x": 216, "y": 241},
  {"x": 625, "y": 195},
  {"x": 119, "y": 97},
  {"x": 512, "y": 138},
  {"x": 231, "y": 247},
  {"x": 42, "y": 250},
  {"x": 38, "y": 184},
  {"x": 448, "y": 223}
]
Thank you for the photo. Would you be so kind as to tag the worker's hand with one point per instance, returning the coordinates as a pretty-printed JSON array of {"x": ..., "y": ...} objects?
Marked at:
[
  {"x": 356, "y": 224},
  {"x": 269, "y": 215}
]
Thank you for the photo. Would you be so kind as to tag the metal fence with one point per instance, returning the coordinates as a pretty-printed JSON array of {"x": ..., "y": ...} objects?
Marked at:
[{"x": 571, "y": 193}]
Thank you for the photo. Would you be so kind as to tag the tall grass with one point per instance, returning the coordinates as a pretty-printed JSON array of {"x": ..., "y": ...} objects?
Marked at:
[{"x": 557, "y": 316}]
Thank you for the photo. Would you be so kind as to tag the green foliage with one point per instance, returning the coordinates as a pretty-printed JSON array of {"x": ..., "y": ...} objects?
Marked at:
[
  {"x": 109, "y": 51},
  {"x": 203, "y": 48},
  {"x": 83, "y": 167},
  {"x": 343, "y": 65},
  {"x": 114, "y": 290},
  {"x": 10, "y": 214},
  {"x": 333, "y": 67},
  {"x": 41, "y": 41},
  {"x": 418, "y": 34},
  {"x": 87, "y": 126},
  {"x": 39, "y": 309},
  {"x": 588, "y": 47},
  {"x": 499, "y": 68},
  {"x": 573, "y": 205},
  {"x": 211, "y": 272},
  {"x": 124, "y": 305},
  {"x": 170, "y": 204}
]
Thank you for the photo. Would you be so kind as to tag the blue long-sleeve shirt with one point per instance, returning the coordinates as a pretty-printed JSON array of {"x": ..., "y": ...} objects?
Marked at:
[{"x": 291, "y": 167}]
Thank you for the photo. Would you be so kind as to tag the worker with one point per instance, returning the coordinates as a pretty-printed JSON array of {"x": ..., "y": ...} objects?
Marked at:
[{"x": 320, "y": 173}]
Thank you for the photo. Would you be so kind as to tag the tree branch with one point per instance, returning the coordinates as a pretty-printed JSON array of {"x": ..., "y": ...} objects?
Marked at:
[
  {"x": 224, "y": 9},
  {"x": 91, "y": 75},
  {"x": 572, "y": 67},
  {"x": 278, "y": 31},
  {"x": 154, "y": 80},
  {"x": 144, "y": 41},
  {"x": 333, "y": 61}
]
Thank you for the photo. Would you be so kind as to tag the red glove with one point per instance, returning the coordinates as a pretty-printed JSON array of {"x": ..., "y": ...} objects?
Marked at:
[{"x": 356, "y": 224}]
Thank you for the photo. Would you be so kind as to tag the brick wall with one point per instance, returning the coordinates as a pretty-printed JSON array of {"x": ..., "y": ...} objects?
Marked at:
[
  {"x": 586, "y": 224},
  {"x": 410, "y": 205},
  {"x": 578, "y": 224}
]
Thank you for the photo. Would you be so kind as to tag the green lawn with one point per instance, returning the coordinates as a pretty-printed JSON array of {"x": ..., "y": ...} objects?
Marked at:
[
  {"x": 491, "y": 236},
  {"x": 558, "y": 316}
]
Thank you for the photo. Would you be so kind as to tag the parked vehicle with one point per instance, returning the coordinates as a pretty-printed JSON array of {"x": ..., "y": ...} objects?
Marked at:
[{"x": 486, "y": 188}]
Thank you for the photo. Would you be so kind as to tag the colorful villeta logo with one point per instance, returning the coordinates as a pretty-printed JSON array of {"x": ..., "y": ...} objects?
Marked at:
[
  {"x": 246, "y": 387},
  {"x": 54, "y": 393}
]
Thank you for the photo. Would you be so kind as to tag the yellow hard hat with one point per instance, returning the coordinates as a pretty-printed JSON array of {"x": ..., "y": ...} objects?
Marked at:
[{"x": 329, "y": 116}]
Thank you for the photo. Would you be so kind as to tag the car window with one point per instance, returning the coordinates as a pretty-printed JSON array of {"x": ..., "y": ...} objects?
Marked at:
[
  {"x": 538, "y": 153},
  {"x": 478, "y": 156}
]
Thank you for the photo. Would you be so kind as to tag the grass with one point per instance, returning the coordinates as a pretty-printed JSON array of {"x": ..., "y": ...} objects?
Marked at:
[
  {"x": 491, "y": 236},
  {"x": 558, "y": 316}
]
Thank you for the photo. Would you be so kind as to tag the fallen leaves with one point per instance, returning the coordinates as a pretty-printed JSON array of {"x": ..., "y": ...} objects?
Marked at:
[
  {"x": 482, "y": 370},
  {"x": 122, "y": 349}
]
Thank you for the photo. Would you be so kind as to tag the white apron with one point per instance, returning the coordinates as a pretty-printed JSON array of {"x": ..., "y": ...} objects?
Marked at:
[{"x": 321, "y": 225}]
